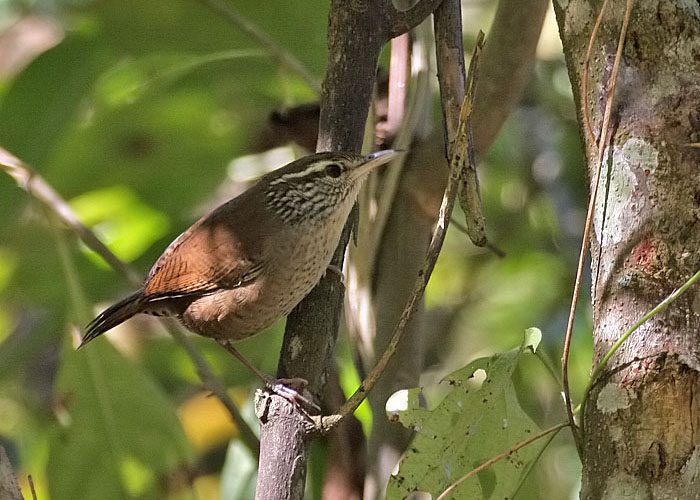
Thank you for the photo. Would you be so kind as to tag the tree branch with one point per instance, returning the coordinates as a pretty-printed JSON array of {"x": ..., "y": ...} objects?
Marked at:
[
  {"x": 356, "y": 35},
  {"x": 506, "y": 66},
  {"x": 9, "y": 489},
  {"x": 36, "y": 186},
  {"x": 401, "y": 22},
  {"x": 460, "y": 159}
]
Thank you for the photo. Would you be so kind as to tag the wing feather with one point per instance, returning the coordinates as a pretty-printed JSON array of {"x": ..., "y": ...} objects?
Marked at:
[{"x": 207, "y": 257}]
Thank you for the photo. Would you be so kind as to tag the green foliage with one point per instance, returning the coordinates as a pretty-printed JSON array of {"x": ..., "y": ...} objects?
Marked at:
[
  {"x": 120, "y": 220},
  {"x": 239, "y": 474},
  {"x": 117, "y": 417},
  {"x": 473, "y": 423}
]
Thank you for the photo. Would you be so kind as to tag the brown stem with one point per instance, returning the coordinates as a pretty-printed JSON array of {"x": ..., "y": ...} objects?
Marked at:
[
  {"x": 356, "y": 34},
  {"x": 460, "y": 157}
]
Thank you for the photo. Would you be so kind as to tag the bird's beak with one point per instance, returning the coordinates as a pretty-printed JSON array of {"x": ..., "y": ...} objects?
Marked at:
[{"x": 374, "y": 160}]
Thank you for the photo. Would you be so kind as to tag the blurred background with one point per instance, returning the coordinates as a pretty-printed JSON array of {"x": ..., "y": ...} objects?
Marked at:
[{"x": 146, "y": 114}]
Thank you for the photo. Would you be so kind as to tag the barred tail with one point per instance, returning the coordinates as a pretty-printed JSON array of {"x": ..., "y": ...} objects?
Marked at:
[{"x": 111, "y": 317}]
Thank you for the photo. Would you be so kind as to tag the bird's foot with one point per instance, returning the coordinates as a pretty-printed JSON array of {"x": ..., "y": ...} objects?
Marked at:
[
  {"x": 292, "y": 390},
  {"x": 336, "y": 270}
]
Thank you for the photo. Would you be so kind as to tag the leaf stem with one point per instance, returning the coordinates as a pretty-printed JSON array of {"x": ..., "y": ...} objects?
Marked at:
[{"x": 500, "y": 457}]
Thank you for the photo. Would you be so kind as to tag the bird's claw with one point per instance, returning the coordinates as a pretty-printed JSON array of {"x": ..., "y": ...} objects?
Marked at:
[{"x": 292, "y": 390}]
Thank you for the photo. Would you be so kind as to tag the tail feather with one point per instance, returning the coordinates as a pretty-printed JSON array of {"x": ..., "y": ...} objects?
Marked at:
[{"x": 111, "y": 317}]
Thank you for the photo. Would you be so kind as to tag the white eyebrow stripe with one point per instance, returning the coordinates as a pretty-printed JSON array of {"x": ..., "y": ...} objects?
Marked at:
[{"x": 317, "y": 167}]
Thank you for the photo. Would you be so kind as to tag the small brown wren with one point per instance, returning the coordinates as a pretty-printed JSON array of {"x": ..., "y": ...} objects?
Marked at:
[{"x": 248, "y": 263}]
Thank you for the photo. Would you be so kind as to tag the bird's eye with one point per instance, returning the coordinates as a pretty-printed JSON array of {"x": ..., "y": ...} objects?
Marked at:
[{"x": 333, "y": 170}]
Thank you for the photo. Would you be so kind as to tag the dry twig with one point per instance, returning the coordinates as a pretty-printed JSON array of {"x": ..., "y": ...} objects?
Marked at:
[{"x": 285, "y": 58}]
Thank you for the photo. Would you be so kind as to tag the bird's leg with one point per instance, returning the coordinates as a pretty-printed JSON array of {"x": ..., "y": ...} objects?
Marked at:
[{"x": 288, "y": 388}]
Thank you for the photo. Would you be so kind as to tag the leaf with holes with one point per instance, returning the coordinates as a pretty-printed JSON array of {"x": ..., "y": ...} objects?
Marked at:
[{"x": 473, "y": 423}]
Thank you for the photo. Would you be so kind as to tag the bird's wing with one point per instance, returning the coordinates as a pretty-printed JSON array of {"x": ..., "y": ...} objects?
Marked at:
[{"x": 206, "y": 258}]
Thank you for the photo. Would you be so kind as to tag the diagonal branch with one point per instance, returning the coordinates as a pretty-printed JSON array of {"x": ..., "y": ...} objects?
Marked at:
[{"x": 36, "y": 186}]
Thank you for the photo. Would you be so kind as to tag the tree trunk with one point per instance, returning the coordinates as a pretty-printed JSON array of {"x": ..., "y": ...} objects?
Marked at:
[{"x": 640, "y": 437}]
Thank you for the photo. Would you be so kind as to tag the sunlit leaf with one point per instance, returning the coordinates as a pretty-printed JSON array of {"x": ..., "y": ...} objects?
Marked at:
[
  {"x": 533, "y": 337},
  {"x": 240, "y": 473},
  {"x": 133, "y": 79},
  {"x": 469, "y": 426},
  {"x": 125, "y": 223}
]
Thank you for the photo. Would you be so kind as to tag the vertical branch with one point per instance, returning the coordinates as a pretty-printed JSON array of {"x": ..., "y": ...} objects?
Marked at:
[
  {"x": 353, "y": 51},
  {"x": 450, "y": 64},
  {"x": 356, "y": 34}
]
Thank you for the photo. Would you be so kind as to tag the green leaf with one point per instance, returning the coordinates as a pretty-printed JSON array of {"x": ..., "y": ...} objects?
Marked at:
[
  {"x": 133, "y": 79},
  {"x": 472, "y": 424},
  {"x": 125, "y": 223},
  {"x": 533, "y": 337},
  {"x": 119, "y": 421},
  {"x": 43, "y": 102},
  {"x": 240, "y": 473}
]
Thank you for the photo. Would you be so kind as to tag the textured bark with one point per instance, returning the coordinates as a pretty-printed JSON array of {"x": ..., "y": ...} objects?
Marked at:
[
  {"x": 640, "y": 436},
  {"x": 9, "y": 490}
]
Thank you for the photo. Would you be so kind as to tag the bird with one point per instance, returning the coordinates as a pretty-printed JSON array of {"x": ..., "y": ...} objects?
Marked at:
[{"x": 249, "y": 262}]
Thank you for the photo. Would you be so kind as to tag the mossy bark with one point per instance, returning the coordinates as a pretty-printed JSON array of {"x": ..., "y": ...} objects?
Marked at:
[{"x": 640, "y": 430}]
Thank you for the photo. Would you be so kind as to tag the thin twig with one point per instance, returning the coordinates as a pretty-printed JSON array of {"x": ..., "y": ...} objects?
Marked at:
[
  {"x": 604, "y": 137},
  {"x": 500, "y": 457},
  {"x": 659, "y": 307},
  {"x": 215, "y": 385},
  {"x": 31, "y": 487},
  {"x": 285, "y": 57},
  {"x": 586, "y": 67},
  {"x": 38, "y": 188},
  {"x": 498, "y": 252},
  {"x": 459, "y": 158}
]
